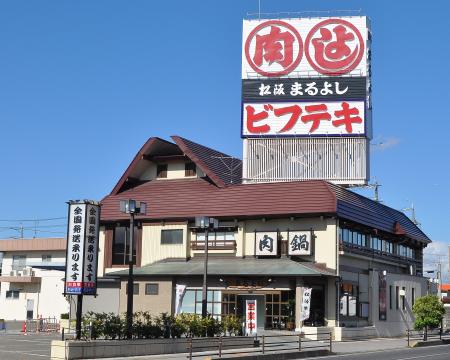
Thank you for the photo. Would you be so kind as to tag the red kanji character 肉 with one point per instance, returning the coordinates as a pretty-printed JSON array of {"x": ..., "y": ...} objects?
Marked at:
[
  {"x": 295, "y": 112},
  {"x": 252, "y": 118},
  {"x": 275, "y": 46},
  {"x": 316, "y": 114},
  {"x": 347, "y": 118}
]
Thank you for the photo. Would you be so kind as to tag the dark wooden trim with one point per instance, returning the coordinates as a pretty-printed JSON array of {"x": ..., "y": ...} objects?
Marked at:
[
  {"x": 107, "y": 256},
  {"x": 165, "y": 158},
  {"x": 214, "y": 245},
  {"x": 139, "y": 247}
]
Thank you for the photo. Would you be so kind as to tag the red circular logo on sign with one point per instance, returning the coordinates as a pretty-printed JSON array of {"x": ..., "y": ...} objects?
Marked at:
[
  {"x": 274, "y": 48},
  {"x": 335, "y": 51}
]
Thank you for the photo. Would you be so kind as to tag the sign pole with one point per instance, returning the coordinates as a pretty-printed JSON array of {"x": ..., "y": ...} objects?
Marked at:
[
  {"x": 205, "y": 276},
  {"x": 79, "y": 315},
  {"x": 130, "y": 281}
]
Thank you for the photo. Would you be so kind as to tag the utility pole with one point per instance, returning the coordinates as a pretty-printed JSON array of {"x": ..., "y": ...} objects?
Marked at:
[{"x": 439, "y": 278}]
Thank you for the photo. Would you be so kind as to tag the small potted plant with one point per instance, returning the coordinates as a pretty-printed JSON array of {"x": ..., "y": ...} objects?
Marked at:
[{"x": 290, "y": 325}]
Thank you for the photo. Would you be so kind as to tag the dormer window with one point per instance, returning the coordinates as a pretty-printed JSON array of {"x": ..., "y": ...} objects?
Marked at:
[
  {"x": 189, "y": 169},
  {"x": 161, "y": 171}
]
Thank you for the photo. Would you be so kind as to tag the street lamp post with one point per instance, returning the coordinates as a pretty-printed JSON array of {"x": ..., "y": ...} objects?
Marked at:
[
  {"x": 131, "y": 207},
  {"x": 206, "y": 223}
]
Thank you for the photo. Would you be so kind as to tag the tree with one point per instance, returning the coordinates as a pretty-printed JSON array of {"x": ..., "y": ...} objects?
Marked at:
[{"x": 429, "y": 311}]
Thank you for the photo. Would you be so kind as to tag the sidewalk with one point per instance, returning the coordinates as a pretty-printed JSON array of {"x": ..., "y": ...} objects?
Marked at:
[{"x": 343, "y": 347}]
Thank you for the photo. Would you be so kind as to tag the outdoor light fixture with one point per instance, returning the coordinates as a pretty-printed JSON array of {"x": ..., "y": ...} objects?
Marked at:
[
  {"x": 206, "y": 223},
  {"x": 131, "y": 207}
]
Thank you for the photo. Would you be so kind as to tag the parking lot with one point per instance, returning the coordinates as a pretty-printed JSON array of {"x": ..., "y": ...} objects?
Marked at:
[{"x": 25, "y": 347}]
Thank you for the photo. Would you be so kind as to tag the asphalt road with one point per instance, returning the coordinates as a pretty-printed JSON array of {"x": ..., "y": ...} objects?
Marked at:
[
  {"x": 25, "y": 347},
  {"x": 441, "y": 352}
]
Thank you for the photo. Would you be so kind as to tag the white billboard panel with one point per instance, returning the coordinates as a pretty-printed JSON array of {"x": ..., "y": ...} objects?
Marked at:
[
  {"x": 305, "y": 47},
  {"x": 326, "y": 118},
  {"x": 266, "y": 243}
]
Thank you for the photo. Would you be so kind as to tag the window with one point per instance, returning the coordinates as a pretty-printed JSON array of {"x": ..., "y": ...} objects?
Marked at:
[
  {"x": 192, "y": 302},
  {"x": 19, "y": 262},
  {"x": 391, "y": 303},
  {"x": 349, "y": 299},
  {"x": 397, "y": 295},
  {"x": 403, "y": 298},
  {"x": 12, "y": 294},
  {"x": 217, "y": 238},
  {"x": 171, "y": 237},
  {"x": 189, "y": 169},
  {"x": 121, "y": 245},
  {"x": 151, "y": 289},
  {"x": 46, "y": 258},
  {"x": 135, "y": 288},
  {"x": 161, "y": 171},
  {"x": 413, "y": 296}
]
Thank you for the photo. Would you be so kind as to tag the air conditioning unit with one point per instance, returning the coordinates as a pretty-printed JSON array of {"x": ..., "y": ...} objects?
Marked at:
[
  {"x": 14, "y": 273},
  {"x": 26, "y": 272}
]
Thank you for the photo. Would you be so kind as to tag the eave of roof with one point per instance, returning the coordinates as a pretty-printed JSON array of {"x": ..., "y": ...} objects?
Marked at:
[{"x": 231, "y": 267}]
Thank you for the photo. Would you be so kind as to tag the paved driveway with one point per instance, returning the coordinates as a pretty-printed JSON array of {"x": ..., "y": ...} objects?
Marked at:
[{"x": 25, "y": 347}]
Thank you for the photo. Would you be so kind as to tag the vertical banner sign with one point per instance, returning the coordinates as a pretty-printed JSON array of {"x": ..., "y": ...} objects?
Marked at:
[
  {"x": 306, "y": 304},
  {"x": 91, "y": 250},
  {"x": 250, "y": 317},
  {"x": 382, "y": 295},
  {"x": 180, "y": 291},
  {"x": 82, "y": 248}
]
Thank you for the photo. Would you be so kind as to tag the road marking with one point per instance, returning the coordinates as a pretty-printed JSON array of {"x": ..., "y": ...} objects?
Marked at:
[
  {"x": 422, "y": 356},
  {"x": 23, "y": 353},
  {"x": 383, "y": 351}
]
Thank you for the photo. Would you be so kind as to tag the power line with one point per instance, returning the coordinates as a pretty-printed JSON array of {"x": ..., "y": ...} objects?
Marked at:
[{"x": 23, "y": 220}]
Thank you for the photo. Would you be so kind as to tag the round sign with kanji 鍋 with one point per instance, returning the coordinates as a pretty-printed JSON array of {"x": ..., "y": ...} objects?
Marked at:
[
  {"x": 334, "y": 47},
  {"x": 274, "y": 48}
]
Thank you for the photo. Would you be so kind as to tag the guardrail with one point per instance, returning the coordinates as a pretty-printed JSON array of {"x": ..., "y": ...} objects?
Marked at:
[
  {"x": 264, "y": 344},
  {"x": 48, "y": 325},
  {"x": 422, "y": 335}
]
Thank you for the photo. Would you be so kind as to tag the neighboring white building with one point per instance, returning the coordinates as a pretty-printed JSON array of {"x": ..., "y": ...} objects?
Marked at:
[{"x": 32, "y": 278}]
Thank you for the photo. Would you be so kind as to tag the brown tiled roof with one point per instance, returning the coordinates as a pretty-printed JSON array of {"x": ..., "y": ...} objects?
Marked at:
[
  {"x": 153, "y": 146},
  {"x": 187, "y": 198},
  {"x": 37, "y": 244},
  {"x": 219, "y": 167}
]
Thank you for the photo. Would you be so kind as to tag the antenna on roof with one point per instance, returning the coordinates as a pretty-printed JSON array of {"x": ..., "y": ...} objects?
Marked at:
[
  {"x": 231, "y": 167},
  {"x": 413, "y": 214},
  {"x": 375, "y": 186}
]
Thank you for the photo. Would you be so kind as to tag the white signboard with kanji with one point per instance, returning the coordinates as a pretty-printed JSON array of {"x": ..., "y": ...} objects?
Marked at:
[
  {"x": 299, "y": 243},
  {"x": 82, "y": 248},
  {"x": 266, "y": 243},
  {"x": 91, "y": 250},
  {"x": 305, "y": 47},
  {"x": 250, "y": 317},
  {"x": 324, "y": 118}
]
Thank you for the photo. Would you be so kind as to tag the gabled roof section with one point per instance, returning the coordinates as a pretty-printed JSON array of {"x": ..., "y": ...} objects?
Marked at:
[
  {"x": 154, "y": 146},
  {"x": 221, "y": 168}
]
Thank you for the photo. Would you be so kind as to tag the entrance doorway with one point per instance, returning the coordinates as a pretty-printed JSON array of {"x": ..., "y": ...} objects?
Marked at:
[
  {"x": 30, "y": 307},
  {"x": 260, "y": 308}
]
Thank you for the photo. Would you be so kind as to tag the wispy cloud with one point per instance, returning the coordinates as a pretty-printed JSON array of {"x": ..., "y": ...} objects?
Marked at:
[
  {"x": 433, "y": 253},
  {"x": 383, "y": 144}
]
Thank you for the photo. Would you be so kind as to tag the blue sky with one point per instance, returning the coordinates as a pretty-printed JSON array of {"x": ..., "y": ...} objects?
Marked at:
[{"x": 83, "y": 84}]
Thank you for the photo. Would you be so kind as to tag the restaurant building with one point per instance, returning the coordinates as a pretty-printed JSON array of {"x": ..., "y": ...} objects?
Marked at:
[{"x": 362, "y": 259}]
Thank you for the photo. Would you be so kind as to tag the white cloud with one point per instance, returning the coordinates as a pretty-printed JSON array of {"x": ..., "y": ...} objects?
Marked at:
[
  {"x": 433, "y": 253},
  {"x": 385, "y": 143}
]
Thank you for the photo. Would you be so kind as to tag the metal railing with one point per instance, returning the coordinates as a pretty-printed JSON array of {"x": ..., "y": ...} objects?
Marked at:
[
  {"x": 47, "y": 325},
  {"x": 221, "y": 346},
  {"x": 425, "y": 335}
]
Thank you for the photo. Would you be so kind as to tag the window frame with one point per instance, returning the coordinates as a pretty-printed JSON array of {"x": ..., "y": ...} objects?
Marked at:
[
  {"x": 190, "y": 169},
  {"x": 147, "y": 287},
  {"x": 165, "y": 231},
  {"x": 11, "y": 294},
  {"x": 135, "y": 286},
  {"x": 161, "y": 171}
]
